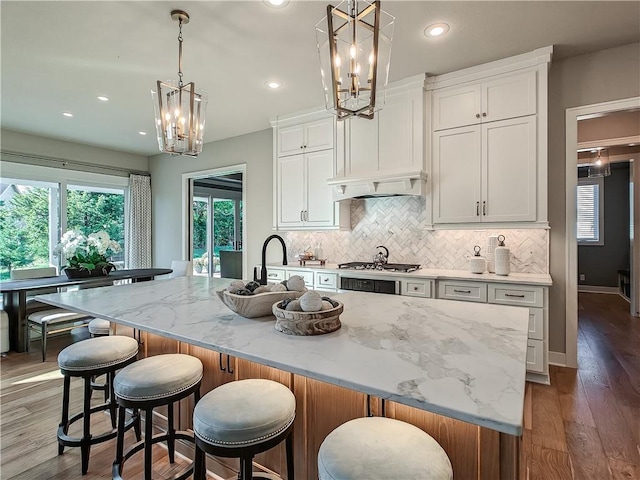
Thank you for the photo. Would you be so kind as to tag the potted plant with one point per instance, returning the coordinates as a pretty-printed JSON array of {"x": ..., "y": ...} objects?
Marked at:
[{"x": 87, "y": 255}]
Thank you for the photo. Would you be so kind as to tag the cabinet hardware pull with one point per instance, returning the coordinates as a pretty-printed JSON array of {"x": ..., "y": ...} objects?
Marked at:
[
  {"x": 512, "y": 295},
  {"x": 484, "y": 208},
  {"x": 305, "y": 215},
  {"x": 477, "y": 115},
  {"x": 229, "y": 365},
  {"x": 301, "y": 217},
  {"x": 272, "y": 275},
  {"x": 461, "y": 291},
  {"x": 484, "y": 114},
  {"x": 415, "y": 288},
  {"x": 301, "y": 146},
  {"x": 477, "y": 209},
  {"x": 222, "y": 366}
]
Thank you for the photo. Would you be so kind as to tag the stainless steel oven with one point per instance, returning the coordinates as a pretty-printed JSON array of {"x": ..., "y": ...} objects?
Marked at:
[{"x": 391, "y": 287}]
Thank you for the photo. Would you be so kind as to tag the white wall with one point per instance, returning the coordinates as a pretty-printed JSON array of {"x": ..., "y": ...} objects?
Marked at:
[
  {"x": 48, "y": 147},
  {"x": 255, "y": 150},
  {"x": 602, "y": 76}
]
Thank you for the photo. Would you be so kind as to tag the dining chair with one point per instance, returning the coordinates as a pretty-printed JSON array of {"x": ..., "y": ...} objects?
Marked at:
[
  {"x": 41, "y": 316},
  {"x": 181, "y": 268}
]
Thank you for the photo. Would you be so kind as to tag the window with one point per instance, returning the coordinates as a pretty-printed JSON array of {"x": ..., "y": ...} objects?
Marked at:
[
  {"x": 38, "y": 203},
  {"x": 590, "y": 202}
]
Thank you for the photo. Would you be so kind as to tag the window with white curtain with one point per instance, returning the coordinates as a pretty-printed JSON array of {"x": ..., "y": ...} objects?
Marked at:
[{"x": 590, "y": 203}]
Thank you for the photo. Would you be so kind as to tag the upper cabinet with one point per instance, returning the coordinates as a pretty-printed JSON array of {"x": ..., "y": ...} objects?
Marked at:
[
  {"x": 489, "y": 143},
  {"x": 506, "y": 96},
  {"x": 306, "y": 137},
  {"x": 304, "y": 159}
]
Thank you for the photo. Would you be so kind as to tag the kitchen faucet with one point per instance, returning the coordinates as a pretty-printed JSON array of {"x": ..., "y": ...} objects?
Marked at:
[{"x": 263, "y": 270}]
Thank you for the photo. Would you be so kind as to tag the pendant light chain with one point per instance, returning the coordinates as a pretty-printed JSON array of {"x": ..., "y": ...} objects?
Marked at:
[{"x": 180, "y": 84}]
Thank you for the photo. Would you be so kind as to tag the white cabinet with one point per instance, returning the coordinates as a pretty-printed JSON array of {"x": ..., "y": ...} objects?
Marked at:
[
  {"x": 461, "y": 290},
  {"x": 304, "y": 159},
  {"x": 304, "y": 198},
  {"x": 505, "y": 96},
  {"x": 326, "y": 282},
  {"x": 417, "y": 288},
  {"x": 486, "y": 173},
  {"x": 306, "y": 137},
  {"x": 307, "y": 275}
]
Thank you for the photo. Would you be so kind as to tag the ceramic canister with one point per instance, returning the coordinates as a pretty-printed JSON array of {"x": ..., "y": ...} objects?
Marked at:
[
  {"x": 502, "y": 257},
  {"x": 477, "y": 264},
  {"x": 492, "y": 243}
]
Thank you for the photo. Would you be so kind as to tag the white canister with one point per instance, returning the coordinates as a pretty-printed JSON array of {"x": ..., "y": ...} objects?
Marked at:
[
  {"x": 502, "y": 257},
  {"x": 492, "y": 243},
  {"x": 477, "y": 264}
]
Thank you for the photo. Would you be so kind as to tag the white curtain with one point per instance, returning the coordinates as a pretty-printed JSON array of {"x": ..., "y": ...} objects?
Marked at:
[{"x": 139, "y": 234}]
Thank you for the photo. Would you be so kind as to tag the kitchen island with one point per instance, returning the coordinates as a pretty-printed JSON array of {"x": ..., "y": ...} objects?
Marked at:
[{"x": 455, "y": 369}]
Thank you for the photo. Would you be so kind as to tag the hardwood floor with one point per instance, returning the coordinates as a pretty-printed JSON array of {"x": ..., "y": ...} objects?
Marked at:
[{"x": 584, "y": 426}]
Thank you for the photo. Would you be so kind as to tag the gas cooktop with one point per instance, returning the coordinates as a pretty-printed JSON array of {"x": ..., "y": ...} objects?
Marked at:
[{"x": 389, "y": 267}]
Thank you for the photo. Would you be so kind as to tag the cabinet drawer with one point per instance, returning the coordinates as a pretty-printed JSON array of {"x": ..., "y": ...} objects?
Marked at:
[
  {"x": 536, "y": 323},
  {"x": 275, "y": 275},
  {"x": 417, "y": 288},
  {"x": 535, "y": 356},
  {"x": 523, "y": 296},
  {"x": 306, "y": 274},
  {"x": 326, "y": 280},
  {"x": 469, "y": 291}
]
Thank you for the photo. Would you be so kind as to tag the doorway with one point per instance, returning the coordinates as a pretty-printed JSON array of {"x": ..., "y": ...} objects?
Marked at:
[
  {"x": 573, "y": 117},
  {"x": 213, "y": 221}
]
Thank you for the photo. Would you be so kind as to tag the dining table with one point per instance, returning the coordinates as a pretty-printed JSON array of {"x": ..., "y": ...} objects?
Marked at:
[{"x": 15, "y": 293}]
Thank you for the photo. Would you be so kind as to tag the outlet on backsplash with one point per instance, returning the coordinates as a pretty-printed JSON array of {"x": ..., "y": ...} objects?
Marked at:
[{"x": 400, "y": 224}]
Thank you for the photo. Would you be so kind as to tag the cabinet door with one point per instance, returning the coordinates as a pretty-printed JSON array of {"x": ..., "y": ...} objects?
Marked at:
[
  {"x": 290, "y": 190},
  {"x": 395, "y": 134},
  {"x": 509, "y": 170},
  {"x": 456, "y": 106},
  {"x": 320, "y": 206},
  {"x": 363, "y": 146},
  {"x": 319, "y": 135},
  {"x": 509, "y": 96},
  {"x": 456, "y": 175},
  {"x": 290, "y": 140}
]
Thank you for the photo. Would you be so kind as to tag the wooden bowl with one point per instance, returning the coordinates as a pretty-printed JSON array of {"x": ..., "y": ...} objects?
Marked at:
[
  {"x": 307, "y": 323},
  {"x": 253, "y": 306}
]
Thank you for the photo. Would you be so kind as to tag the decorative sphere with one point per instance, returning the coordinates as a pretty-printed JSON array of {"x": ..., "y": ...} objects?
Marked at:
[
  {"x": 278, "y": 287},
  {"x": 294, "y": 306},
  {"x": 296, "y": 283},
  {"x": 311, "y": 302},
  {"x": 235, "y": 286},
  {"x": 252, "y": 286},
  {"x": 326, "y": 305},
  {"x": 262, "y": 289}
]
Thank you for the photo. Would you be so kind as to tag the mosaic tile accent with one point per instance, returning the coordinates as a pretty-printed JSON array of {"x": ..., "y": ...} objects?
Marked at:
[{"x": 400, "y": 224}]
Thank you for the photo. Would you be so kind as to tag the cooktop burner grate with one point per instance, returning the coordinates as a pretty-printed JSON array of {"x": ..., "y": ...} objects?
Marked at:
[{"x": 390, "y": 267}]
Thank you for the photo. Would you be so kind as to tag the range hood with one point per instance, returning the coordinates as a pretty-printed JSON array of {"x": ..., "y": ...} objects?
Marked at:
[{"x": 379, "y": 185}]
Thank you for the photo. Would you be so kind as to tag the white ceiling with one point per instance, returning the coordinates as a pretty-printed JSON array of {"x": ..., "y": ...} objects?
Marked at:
[{"x": 59, "y": 56}]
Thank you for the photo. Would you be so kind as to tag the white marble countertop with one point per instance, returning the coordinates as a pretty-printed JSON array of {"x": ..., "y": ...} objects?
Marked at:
[
  {"x": 541, "y": 279},
  {"x": 459, "y": 359}
]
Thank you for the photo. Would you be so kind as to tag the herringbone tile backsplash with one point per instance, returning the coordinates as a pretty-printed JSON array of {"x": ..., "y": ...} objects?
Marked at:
[{"x": 400, "y": 224}]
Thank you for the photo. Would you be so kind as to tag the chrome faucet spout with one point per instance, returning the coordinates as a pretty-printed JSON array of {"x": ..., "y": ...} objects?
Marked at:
[{"x": 263, "y": 270}]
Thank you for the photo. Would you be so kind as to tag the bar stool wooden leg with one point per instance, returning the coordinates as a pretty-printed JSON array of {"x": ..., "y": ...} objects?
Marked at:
[
  {"x": 85, "y": 447},
  {"x": 199, "y": 470},
  {"x": 148, "y": 435},
  {"x": 117, "y": 463},
  {"x": 171, "y": 434},
  {"x": 111, "y": 398},
  {"x": 246, "y": 468},
  {"x": 64, "y": 423},
  {"x": 289, "y": 451}
]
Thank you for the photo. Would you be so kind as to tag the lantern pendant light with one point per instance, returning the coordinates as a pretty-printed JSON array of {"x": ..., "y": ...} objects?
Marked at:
[
  {"x": 354, "y": 44},
  {"x": 600, "y": 165},
  {"x": 179, "y": 108}
]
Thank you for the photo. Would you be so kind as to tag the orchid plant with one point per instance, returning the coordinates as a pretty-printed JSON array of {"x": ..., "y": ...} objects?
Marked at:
[{"x": 87, "y": 252}]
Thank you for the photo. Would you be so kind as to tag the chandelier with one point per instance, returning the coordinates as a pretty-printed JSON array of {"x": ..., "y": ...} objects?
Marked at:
[
  {"x": 354, "y": 44},
  {"x": 600, "y": 165},
  {"x": 179, "y": 108}
]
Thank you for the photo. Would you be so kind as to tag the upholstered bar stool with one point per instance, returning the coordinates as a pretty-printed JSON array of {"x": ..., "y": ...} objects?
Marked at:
[
  {"x": 99, "y": 327},
  {"x": 145, "y": 385},
  {"x": 241, "y": 419},
  {"x": 86, "y": 359},
  {"x": 378, "y": 448}
]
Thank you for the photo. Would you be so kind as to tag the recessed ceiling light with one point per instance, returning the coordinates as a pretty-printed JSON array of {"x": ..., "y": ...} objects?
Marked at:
[
  {"x": 103, "y": 98},
  {"x": 142, "y": 133},
  {"x": 67, "y": 114},
  {"x": 273, "y": 84},
  {"x": 276, "y": 3},
  {"x": 436, "y": 30}
]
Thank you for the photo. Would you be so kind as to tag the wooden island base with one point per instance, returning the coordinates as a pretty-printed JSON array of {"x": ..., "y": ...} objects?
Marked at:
[{"x": 475, "y": 452}]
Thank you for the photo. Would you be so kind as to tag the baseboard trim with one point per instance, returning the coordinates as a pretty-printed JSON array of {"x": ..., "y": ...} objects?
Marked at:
[
  {"x": 558, "y": 358},
  {"x": 597, "y": 289}
]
